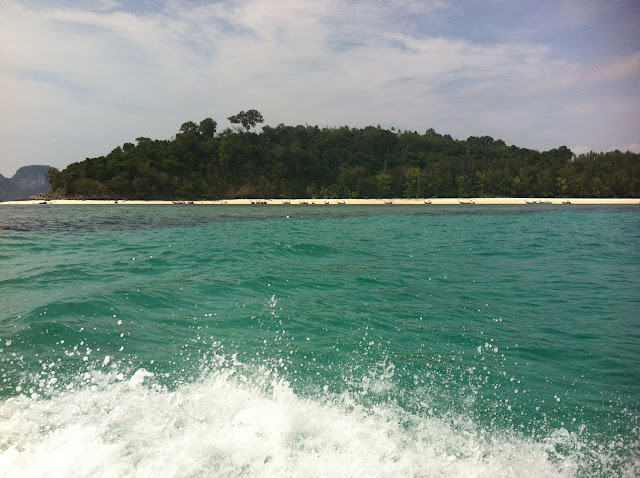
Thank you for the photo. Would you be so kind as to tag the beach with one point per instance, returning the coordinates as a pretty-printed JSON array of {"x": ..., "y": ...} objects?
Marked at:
[{"x": 369, "y": 202}]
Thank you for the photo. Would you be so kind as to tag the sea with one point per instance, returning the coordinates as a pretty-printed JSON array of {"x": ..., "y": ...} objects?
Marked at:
[{"x": 319, "y": 341}]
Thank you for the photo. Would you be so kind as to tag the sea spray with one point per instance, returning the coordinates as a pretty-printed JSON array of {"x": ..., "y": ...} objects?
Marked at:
[{"x": 238, "y": 419}]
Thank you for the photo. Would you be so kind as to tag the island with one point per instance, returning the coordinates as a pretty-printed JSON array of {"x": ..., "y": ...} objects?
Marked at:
[{"x": 325, "y": 163}]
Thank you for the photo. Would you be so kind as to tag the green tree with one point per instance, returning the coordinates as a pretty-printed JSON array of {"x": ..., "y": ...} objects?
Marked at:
[
  {"x": 189, "y": 127},
  {"x": 465, "y": 185},
  {"x": 53, "y": 175},
  {"x": 413, "y": 182},
  {"x": 383, "y": 184},
  {"x": 302, "y": 161},
  {"x": 248, "y": 119},
  {"x": 208, "y": 127}
]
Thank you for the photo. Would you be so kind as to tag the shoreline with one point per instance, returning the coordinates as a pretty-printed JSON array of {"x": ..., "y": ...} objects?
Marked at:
[{"x": 293, "y": 202}]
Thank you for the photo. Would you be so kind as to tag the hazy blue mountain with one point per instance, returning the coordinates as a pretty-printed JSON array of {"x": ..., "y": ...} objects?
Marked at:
[{"x": 28, "y": 181}]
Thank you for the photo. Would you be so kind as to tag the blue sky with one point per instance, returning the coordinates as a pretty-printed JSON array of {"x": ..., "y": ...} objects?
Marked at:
[{"x": 78, "y": 78}]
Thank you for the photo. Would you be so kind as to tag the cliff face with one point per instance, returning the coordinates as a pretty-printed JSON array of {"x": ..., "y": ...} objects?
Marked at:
[{"x": 28, "y": 181}]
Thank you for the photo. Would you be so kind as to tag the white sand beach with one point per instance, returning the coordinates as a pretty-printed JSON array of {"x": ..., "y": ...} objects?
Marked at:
[{"x": 398, "y": 201}]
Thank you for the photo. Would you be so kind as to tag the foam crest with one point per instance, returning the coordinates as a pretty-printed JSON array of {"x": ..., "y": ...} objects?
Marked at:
[{"x": 235, "y": 421}]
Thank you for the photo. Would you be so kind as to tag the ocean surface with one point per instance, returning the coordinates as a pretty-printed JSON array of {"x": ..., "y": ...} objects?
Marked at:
[{"x": 320, "y": 341}]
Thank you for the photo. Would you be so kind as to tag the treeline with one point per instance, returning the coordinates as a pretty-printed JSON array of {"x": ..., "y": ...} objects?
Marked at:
[{"x": 313, "y": 162}]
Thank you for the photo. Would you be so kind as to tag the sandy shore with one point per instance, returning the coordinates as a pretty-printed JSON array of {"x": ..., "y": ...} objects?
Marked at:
[{"x": 402, "y": 201}]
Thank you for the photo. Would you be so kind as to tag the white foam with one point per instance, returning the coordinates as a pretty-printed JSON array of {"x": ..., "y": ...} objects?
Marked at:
[
  {"x": 233, "y": 423},
  {"x": 139, "y": 376}
]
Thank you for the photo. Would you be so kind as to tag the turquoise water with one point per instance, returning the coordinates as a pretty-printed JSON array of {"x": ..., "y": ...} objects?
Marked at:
[{"x": 320, "y": 341}]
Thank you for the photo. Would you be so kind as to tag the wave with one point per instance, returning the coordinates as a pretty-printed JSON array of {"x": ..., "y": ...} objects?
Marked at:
[{"x": 242, "y": 420}]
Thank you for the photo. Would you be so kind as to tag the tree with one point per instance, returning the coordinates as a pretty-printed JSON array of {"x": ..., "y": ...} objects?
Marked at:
[
  {"x": 189, "y": 127},
  {"x": 53, "y": 175},
  {"x": 383, "y": 183},
  {"x": 302, "y": 161},
  {"x": 208, "y": 127},
  {"x": 563, "y": 152},
  {"x": 248, "y": 119},
  {"x": 465, "y": 185}
]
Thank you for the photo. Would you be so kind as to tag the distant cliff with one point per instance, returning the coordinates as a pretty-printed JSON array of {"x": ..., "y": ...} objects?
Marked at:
[{"x": 28, "y": 181}]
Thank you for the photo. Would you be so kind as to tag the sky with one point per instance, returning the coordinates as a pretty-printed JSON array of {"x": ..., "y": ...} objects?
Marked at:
[{"x": 79, "y": 78}]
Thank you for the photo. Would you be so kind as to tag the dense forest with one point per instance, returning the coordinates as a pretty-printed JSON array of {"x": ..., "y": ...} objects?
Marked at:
[{"x": 339, "y": 162}]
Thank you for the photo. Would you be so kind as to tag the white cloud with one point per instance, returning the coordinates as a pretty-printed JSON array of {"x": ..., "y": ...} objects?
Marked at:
[
  {"x": 93, "y": 79},
  {"x": 634, "y": 147},
  {"x": 618, "y": 69},
  {"x": 580, "y": 149}
]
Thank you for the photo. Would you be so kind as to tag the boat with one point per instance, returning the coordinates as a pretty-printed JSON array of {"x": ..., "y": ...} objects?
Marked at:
[
  {"x": 470, "y": 201},
  {"x": 427, "y": 201}
]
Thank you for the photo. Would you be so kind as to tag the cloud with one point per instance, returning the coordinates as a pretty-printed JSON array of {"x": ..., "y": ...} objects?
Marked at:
[
  {"x": 77, "y": 82},
  {"x": 580, "y": 149},
  {"x": 634, "y": 147},
  {"x": 618, "y": 69}
]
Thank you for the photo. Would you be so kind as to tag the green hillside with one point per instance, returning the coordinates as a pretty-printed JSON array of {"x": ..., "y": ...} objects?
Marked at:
[{"x": 309, "y": 161}]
